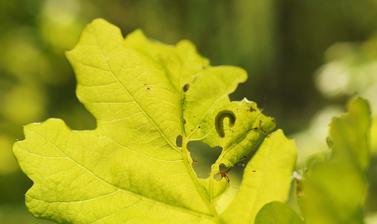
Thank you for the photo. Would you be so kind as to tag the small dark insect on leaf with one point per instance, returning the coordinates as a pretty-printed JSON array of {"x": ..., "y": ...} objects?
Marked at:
[
  {"x": 219, "y": 121},
  {"x": 224, "y": 171},
  {"x": 186, "y": 87},
  {"x": 223, "y": 168},
  {"x": 252, "y": 109},
  {"x": 178, "y": 141}
]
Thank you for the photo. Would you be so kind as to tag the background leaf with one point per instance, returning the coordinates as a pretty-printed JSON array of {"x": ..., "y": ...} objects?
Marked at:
[
  {"x": 266, "y": 178},
  {"x": 328, "y": 197},
  {"x": 277, "y": 212}
]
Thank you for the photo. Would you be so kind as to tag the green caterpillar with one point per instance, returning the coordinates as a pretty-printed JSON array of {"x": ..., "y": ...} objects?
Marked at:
[{"x": 219, "y": 121}]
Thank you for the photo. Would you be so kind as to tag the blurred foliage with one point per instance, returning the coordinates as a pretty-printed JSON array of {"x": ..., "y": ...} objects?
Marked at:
[
  {"x": 328, "y": 197},
  {"x": 12, "y": 214},
  {"x": 350, "y": 69},
  {"x": 374, "y": 136},
  {"x": 325, "y": 193},
  {"x": 280, "y": 43},
  {"x": 7, "y": 163},
  {"x": 311, "y": 141}
]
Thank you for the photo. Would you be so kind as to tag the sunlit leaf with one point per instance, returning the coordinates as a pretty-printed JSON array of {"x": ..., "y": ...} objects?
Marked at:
[
  {"x": 277, "y": 213},
  {"x": 149, "y": 101},
  {"x": 265, "y": 178},
  {"x": 334, "y": 190}
]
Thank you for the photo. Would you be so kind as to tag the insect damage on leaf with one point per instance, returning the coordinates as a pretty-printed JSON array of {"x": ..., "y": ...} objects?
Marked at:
[
  {"x": 178, "y": 141},
  {"x": 150, "y": 100},
  {"x": 224, "y": 171},
  {"x": 186, "y": 87}
]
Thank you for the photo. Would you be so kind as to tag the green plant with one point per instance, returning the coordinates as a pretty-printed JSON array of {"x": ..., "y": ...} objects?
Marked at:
[
  {"x": 150, "y": 100},
  {"x": 334, "y": 189}
]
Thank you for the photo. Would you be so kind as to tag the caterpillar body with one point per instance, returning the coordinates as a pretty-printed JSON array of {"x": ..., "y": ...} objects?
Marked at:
[{"x": 219, "y": 121}]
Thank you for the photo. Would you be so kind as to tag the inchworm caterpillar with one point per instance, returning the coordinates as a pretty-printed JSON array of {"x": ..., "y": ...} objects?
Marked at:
[{"x": 219, "y": 121}]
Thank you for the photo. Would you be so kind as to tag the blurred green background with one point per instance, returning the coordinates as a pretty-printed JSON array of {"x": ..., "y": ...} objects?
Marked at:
[{"x": 305, "y": 58}]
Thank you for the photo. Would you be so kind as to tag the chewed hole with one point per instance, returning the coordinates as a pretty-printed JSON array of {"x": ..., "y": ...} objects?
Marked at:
[
  {"x": 203, "y": 157},
  {"x": 178, "y": 141}
]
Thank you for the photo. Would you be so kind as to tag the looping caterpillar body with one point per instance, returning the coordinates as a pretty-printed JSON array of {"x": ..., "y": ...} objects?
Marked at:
[{"x": 219, "y": 121}]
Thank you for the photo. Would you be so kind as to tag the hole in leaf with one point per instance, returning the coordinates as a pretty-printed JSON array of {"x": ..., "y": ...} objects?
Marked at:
[
  {"x": 203, "y": 156},
  {"x": 178, "y": 141},
  {"x": 236, "y": 172}
]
